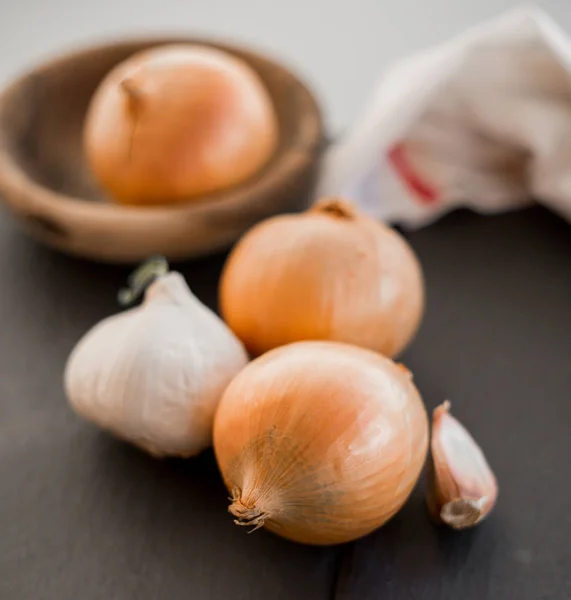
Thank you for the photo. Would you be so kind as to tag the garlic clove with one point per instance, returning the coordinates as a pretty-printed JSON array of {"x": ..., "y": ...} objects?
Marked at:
[
  {"x": 153, "y": 375},
  {"x": 462, "y": 488}
]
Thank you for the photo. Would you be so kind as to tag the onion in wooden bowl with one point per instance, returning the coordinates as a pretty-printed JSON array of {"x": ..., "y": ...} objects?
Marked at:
[
  {"x": 47, "y": 184},
  {"x": 175, "y": 122}
]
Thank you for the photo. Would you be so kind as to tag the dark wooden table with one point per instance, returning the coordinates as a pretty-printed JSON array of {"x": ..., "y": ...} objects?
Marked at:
[{"x": 83, "y": 517}]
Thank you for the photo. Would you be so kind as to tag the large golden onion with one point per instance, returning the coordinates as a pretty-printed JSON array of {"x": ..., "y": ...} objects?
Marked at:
[{"x": 320, "y": 442}]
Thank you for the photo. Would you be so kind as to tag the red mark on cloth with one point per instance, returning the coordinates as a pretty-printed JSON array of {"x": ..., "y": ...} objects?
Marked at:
[{"x": 398, "y": 159}]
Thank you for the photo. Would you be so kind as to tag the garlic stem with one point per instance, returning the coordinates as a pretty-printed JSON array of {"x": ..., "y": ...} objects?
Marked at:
[{"x": 140, "y": 279}]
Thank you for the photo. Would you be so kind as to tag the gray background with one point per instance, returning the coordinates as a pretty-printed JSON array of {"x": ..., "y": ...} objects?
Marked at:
[{"x": 341, "y": 67}]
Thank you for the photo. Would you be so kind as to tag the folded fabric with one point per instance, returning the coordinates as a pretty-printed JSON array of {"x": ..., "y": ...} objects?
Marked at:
[{"x": 483, "y": 121}]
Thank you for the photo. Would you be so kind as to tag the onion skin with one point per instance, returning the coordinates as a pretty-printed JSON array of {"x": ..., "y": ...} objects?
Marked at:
[
  {"x": 320, "y": 442},
  {"x": 176, "y": 122},
  {"x": 326, "y": 274}
]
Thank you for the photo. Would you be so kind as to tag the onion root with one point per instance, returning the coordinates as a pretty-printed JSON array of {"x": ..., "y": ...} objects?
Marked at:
[{"x": 246, "y": 516}]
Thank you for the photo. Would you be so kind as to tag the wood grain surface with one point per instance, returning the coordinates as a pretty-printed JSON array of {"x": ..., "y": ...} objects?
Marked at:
[{"x": 85, "y": 517}]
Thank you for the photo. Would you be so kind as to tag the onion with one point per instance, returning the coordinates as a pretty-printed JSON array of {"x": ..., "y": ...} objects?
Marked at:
[
  {"x": 327, "y": 274},
  {"x": 320, "y": 442},
  {"x": 178, "y": 121}
]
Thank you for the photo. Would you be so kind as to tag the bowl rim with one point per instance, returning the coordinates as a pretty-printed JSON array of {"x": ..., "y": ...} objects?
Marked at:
[{"x": 34, "y": 197}]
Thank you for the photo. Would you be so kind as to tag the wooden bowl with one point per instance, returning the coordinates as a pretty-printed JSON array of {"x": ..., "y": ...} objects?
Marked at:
[{"x": 46, "y": 183}]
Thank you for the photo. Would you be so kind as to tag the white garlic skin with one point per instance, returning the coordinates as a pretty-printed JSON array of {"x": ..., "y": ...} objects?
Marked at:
[{"x": 154, "y": 375}]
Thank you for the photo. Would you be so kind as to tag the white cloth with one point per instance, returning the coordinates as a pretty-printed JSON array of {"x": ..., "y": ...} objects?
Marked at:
[{"x": 483, "y": 121}]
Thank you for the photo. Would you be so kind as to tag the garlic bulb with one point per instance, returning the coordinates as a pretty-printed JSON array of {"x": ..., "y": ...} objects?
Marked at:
[
  {"x": 154, "y": 374},
  {"x": 320, "y": 442}
]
